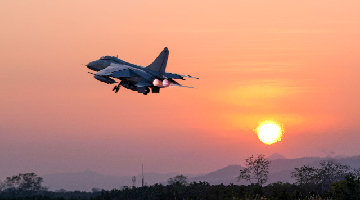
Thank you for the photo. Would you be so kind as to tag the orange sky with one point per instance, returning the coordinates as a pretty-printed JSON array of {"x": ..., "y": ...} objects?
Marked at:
[{"x": 295, "y": 62}]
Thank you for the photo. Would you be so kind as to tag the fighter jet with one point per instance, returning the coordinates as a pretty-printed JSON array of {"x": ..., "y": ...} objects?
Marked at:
[{"x": 136, "y": 77}]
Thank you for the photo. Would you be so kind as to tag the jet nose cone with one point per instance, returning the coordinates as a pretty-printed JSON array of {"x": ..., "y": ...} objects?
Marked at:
[{"x": 90, "y": 65}]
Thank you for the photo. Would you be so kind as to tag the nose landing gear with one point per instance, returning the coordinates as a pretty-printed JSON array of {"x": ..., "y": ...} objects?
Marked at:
[{"x": 116, "y": 88}]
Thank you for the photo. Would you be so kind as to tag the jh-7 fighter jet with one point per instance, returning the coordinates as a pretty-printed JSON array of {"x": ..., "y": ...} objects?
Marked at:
[{"x": 136, "y": 77}]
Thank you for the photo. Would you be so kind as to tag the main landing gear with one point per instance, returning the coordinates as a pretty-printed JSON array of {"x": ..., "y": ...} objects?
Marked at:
[{"x": 147, "y": 90}]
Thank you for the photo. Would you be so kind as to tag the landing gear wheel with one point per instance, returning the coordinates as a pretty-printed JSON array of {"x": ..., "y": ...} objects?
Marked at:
[
  {"x": 147, "y": 90},
  {"x": 117, "y": 89}
]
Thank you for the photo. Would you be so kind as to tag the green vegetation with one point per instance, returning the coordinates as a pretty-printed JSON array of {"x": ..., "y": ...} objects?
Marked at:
[{"x": 329, "y": 181}]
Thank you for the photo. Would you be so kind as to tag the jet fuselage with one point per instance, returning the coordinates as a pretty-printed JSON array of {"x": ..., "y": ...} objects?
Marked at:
[{"x": 136, "y": 77}]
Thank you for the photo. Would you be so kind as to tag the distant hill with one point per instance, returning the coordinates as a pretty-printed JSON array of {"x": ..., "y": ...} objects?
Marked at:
[
  {"x": 225, "y": 175},
  {"x": 280, "y": 170},
  {"x": 353, "y": 161},
  {"x": 289, "y": 164},
  {"x": 276, "y": 156}
]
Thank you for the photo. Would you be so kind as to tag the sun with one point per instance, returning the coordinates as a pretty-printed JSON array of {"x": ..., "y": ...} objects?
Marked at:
[{"x": 269, "y": 132}]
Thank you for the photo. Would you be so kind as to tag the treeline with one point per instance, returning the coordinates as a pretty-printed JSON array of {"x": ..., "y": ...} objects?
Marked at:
[
  {"x": 348, "y": 189},
  {"x": 329, "y": 181}
]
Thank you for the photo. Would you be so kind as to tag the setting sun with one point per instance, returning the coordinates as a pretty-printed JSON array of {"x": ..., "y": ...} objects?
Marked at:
[{"x": 269, "y": 132}]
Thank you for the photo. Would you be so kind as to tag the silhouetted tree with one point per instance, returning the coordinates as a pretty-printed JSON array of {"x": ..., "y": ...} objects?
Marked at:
[
  {"x": 2, "y": 186},
  {"x": 12, "y": 182},
  {"x": 26, "y": 182},
  {"x": 178, "y": 180},
  {"x": 331, "y": 172},
  {"x": 62, "y": 190},
  {"x": 322, "y": 178},
  {"x": 304, "y": 175},
  {"x": 256, "y": 168},
  {"x": 356, "y": 173},
  {"x": 95, "y": 190}
]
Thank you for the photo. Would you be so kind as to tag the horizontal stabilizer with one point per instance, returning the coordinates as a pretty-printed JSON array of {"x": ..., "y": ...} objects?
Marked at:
[
  {"x": 177, "y": 76},
  {"x": 188, "y": 76},
  {"x": 180, "y": 85},
  {"x": 173, "y": 82},
  {"x": 171, "y": 75}
]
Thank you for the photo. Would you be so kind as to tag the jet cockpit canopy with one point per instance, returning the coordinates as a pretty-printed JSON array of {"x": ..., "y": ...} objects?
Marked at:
[{"x": 109, "y": 58}]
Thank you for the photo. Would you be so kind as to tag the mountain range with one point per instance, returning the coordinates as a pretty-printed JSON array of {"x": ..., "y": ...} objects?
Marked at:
[{"x": 280, "y": 170}]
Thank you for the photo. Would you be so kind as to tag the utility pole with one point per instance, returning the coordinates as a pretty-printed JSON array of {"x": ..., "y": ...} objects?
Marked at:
[{"x": 142, "y": 174}]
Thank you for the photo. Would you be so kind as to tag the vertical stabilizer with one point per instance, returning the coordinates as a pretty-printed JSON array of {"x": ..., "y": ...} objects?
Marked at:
[{"x": 160, "y": 62}]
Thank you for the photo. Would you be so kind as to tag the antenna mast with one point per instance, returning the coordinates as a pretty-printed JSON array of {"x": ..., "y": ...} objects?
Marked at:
[{"x": 142, "y": 174}]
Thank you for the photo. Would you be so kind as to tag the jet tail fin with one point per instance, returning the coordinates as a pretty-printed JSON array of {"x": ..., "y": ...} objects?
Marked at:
[{"x": 160, "y": 62}]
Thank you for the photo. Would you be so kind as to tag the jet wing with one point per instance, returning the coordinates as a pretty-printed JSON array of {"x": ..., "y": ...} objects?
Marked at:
[
  {"x": 116, "y": 71},
  {"x": 177, "y": 76}
]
